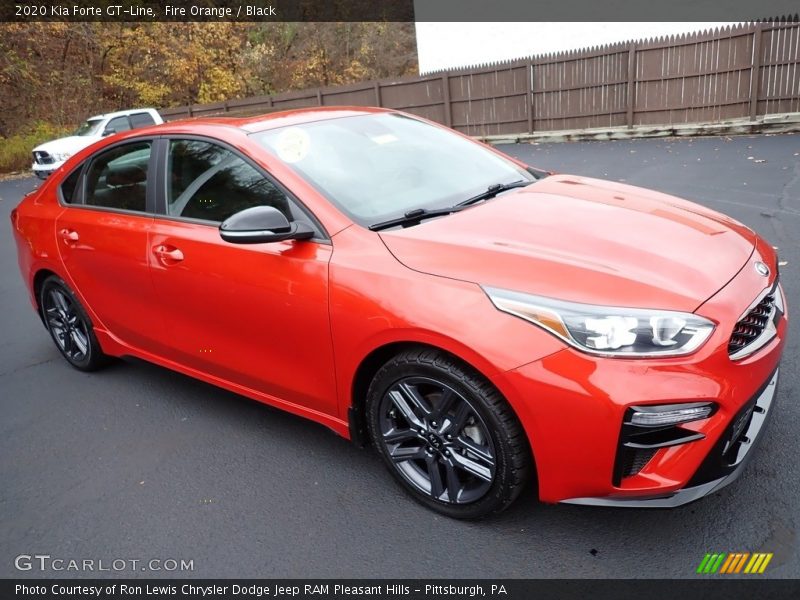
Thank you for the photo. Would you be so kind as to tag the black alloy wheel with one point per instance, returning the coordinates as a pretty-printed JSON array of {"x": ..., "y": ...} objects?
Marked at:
[
  {"x": 69, "y": 326},
  {"x": 437, "y": 440},
  {"x": 447, "y": 435}
]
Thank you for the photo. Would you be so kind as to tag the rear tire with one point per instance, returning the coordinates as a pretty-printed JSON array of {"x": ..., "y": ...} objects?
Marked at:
[
  {"x": 70, "y": 326},
  {"x": 447, "y": 435}
]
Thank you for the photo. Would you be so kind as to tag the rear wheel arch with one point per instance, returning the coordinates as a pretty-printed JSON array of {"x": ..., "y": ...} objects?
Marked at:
[
  {"x": 38, "y": 279},
  {"x": 41, "y": 276},
  {"x": 69, "y": 325}
]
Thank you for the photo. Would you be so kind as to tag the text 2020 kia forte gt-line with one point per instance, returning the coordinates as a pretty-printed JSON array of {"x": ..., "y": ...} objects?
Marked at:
[{"x": 483, "y": 323}]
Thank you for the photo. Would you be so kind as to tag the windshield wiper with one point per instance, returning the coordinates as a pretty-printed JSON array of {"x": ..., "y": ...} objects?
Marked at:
[
  {"x": 413, "y": 217},
  {"x": 493, "y": 190}
]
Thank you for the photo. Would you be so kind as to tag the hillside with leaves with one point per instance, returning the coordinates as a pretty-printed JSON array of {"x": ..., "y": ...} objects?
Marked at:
[{"x": 60, "y": 73}]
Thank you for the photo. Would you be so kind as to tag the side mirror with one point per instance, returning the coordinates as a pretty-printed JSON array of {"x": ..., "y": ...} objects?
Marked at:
[
  {"x": 109, "y": 131},
  {"x": 261, "y": 225}
]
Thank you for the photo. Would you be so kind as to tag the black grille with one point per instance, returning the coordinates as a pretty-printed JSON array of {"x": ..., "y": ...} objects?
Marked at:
[
  {"x": 43, "y": 158},
  {"x": 752, "y": 324},
  {"x": 721, "y": 460},
  {"x": 634, "y": 460},
  {"x": 638, "y": 444}
]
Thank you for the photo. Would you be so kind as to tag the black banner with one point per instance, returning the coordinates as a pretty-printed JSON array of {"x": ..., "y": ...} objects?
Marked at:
[
  {"x": 208, "y": 10},
  {"x": 393, "y": 10},
  {"x": 713, "y": 588}
]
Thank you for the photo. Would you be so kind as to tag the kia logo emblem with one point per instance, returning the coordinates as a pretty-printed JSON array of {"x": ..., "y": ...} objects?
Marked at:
[{"x": 762, "y": 269}]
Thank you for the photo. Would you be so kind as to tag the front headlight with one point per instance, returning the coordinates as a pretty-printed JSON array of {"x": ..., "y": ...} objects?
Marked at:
[
  {"x": 605, "y": 330},
  {"x": 60, "y": 156}
]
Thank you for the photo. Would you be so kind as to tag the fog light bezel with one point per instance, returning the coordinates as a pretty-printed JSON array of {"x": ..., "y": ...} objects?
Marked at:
[
  {"x": 652, "y": 437},
  {"x": 695, "y": 411}
]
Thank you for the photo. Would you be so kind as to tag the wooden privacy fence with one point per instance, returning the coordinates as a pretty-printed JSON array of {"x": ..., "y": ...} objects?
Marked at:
[{"x": 746, "y": 70}]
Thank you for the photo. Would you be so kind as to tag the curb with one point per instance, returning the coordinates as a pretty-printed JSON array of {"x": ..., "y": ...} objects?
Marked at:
[{"x": 776, "y": 123}]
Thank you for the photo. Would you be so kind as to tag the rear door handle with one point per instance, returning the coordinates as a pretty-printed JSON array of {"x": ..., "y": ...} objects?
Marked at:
[
  {"x": 69, "y": 236},
  {"x": 168, "y": 254}
]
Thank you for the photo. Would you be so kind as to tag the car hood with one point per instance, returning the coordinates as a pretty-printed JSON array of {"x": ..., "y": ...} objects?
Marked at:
[
  {"x": 583, "y": 240},
  {"x": 71, "y": 144}
]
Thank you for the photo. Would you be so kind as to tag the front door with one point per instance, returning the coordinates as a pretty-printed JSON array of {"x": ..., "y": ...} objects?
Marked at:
[{"x": 252, "y": 314}]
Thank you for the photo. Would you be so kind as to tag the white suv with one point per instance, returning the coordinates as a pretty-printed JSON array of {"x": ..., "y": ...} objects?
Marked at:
[{"x": 51, "y": 155}]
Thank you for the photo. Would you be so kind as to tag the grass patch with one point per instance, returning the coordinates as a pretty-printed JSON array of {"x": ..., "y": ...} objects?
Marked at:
[{"x": 15, "y": 151}]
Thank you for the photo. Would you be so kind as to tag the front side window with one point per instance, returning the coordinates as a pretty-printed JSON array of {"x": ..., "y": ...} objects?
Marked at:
[
  {"x": 380, "y": 166},
  {"x": 209, "y": 182},
  {"x": 90, "y": 127},
  {"x": 117, "y": 178}
]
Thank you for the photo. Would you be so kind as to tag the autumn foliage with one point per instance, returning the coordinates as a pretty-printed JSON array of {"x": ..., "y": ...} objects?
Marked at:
[{"x": 61, "y": 73}]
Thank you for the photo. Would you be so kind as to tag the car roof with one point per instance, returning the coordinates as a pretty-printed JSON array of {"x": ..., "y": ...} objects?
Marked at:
[
  {"x": 120, "y": 113},
  {"x": 283, "y": 118}
]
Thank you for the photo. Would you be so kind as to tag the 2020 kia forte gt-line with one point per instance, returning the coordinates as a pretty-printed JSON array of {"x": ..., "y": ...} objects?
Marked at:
[{"x": 484, "y": 324}]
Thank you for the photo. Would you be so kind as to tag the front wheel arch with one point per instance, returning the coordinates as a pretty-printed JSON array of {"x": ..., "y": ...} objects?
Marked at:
[
  {"x": 503, "y": 446},
  {"x": 372, "y": 363},
  {"x": 364, "y": 374}
]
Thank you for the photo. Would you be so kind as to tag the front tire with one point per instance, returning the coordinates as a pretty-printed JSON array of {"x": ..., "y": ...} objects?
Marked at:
[
  {"x": 69, "y": 326},
  {"x": 447, "y": 435}
]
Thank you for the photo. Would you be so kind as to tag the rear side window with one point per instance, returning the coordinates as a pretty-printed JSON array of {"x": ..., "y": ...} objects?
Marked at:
[
  {"x": 141, "y": 120},
  {"x": 119, "y": 124},
  {"x": 117, "y": 178},
  {"x": 69, "y": 186}
]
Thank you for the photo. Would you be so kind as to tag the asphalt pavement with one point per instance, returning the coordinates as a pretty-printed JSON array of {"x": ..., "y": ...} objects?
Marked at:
[{"x": 137, "y": 462}]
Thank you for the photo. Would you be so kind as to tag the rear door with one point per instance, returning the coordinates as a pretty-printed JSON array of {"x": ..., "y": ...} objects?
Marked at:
[
  {"x": 102, "y": 240},
  {"x": 252, "y": 314}
]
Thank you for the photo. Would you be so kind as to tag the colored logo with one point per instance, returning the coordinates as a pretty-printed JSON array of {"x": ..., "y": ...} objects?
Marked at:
[{"x": 734, "y": 562}]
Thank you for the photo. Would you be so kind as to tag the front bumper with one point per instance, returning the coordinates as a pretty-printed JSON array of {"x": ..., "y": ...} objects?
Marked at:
[
  {"x": 572, "y": 406},
  {"x": 44, "y": 171},
  {"x": 749, "y": 438}
]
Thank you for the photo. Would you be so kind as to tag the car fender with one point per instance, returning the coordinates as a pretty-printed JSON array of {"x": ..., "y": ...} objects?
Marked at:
[{"x": 363, "y": 323}]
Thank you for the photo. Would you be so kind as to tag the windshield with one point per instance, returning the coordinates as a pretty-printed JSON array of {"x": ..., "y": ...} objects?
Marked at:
[
  {"x": 381, "y": 166},
  {"x": 90, "y": 127}
]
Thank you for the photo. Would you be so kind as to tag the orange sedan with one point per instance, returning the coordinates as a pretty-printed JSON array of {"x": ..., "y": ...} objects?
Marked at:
[{"x": 482, "y": 323}]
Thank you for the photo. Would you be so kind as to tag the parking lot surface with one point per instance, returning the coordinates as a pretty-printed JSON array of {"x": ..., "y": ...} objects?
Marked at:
[{"x": 138, "y": 462}]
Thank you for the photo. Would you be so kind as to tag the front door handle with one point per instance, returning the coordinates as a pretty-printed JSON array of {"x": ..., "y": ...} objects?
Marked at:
[
  {"x": 69, "y": 236},
  {"x": 168, "y": 254}
]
